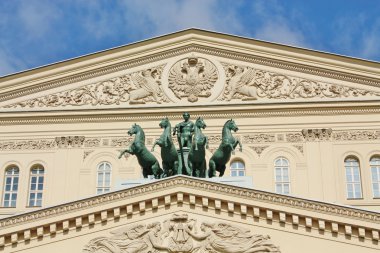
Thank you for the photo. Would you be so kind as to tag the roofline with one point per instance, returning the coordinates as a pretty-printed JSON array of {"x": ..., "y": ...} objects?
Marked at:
[
  {"x": 342, "y": 58},
  {"x": 184, "y": 176}
]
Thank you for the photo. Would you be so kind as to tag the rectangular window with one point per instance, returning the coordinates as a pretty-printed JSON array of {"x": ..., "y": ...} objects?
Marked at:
[
  {"x": 353, "y": 181},
  {"x": 36, "y": 186},
  {"x": 10, "y": 187}
]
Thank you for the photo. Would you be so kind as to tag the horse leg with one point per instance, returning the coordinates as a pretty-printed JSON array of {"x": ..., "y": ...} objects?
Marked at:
[
  {"x": 176, "y": 165},
  {"x": 202, "y": 173},
  {"x": 222, "y": 170},
  {"x": 211, "y": 169},
  {"x": 157, "y": 171},
  {"x": 166, "y": 169},
  {"x": 190, "y": 165},
  {"x": 145, "y": 172}
]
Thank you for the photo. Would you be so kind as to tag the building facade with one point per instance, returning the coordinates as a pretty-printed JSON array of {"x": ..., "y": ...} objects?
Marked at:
[{"x": 309, "y": 124}]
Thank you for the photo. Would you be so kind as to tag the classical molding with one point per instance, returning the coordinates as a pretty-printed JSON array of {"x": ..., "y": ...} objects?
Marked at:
[
  {"x": 214, "y": 140},
  {"x": 323, "y": 134},
  {"x": 246, "y": 83},
  {"x": 339, "y": 75},
  {"x": 215, "y": 197},
  {"x": 194, "y": 183},
  {"x": 182, "y": 234}
]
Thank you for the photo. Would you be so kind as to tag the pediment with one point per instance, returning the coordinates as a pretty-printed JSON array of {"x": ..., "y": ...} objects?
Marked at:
[
  {"x": 186, "y": 69},
  {"x": 182, "y": 214}
]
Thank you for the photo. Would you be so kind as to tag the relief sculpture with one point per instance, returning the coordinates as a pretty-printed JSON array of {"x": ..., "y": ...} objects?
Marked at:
[
  {"x": 179, "y": 234},
  {"x": 245, "y": 83},
  {"x": 192, "y": 78},
  {"x": 137, "y": 88}
]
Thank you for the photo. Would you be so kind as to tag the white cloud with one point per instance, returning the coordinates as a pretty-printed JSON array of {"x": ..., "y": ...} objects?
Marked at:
[
  {"x": 38, "y": 17},
  {"x": 9, "y": 63},
  {"x": 276, "y": 25},
  {"x": 164, "y": 16}
]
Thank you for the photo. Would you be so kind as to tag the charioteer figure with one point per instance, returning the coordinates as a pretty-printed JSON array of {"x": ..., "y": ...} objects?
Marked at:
[{"x": 184, "y": 132}]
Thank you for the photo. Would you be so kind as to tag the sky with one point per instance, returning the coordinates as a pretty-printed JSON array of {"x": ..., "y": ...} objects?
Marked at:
[{"x": 40, "y": 32}]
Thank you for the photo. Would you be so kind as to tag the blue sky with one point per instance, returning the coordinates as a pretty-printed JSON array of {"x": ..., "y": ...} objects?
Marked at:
[{"x": 40, "y": 32}]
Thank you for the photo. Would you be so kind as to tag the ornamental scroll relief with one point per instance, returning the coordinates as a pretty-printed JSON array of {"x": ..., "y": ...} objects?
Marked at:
[
  {"x": 179, "y": 234},
  {"x": 136, "y": 88},
  {"x": 247, "y": 83}
]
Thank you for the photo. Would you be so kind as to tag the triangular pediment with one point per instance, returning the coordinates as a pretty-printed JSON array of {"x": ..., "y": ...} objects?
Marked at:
[
  {"x": 192, "y": 68},
  {"x": 188, "y": 214}
]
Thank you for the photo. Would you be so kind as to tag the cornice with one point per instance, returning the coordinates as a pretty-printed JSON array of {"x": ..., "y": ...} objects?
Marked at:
[
  {"x": 199, "y": 195},
  {"x": 250, "y": 58},
  {"x": 197, "y": 184},
  {"x": 221, "y": 111}
]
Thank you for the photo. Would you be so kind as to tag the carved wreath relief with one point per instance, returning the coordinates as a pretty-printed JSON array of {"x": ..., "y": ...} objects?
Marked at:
[
  {"x": 192, "y": 78},
  {"x": 181, "y": 235},
  {"x": 247, "y": 83}
]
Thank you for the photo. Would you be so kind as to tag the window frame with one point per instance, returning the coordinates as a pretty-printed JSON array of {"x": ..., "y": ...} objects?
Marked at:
[
  {"x": 103, "y": 188},
  {"x": 35, "y": 196},
  {"x": 237, "y": 170},
  {"x": 375, "y": 167},
  {"x": 353, "y": 183},
  {"x": 282, "y": 182},
  {"x": 12, "y": 203}
]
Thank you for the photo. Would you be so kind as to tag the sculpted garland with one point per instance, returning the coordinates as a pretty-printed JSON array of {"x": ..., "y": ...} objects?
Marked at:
[{"x": 179, "y": 234}]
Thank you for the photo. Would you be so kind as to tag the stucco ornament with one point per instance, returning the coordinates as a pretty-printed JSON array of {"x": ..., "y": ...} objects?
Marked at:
[
  {"x": 193, "y": 78},
  {"x": 246, "y": 83},
  {"x": 179, "y": 234},
  {"x": 136, "y": 88}
]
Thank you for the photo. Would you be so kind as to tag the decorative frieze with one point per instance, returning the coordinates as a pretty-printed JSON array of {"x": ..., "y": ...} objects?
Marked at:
[
  {"x": 121, "y": 142},
  {"x": 259, "y": 138},
  {"x": 356, "y": 135},
  {"x": 294, "y": 137},
  {"x": 323, "y": 134},
  {"x": 181, "y": 234},
  {"x": 136, "y": 88},
  {"x": 27, "y": 145},
  {"x": 92, "y": 142},
  {"x": 69, "y": 141},
  {"x": 246, "y": 83}
]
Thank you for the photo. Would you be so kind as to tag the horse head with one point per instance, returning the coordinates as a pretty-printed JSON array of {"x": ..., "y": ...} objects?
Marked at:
[
  {"x": 164, "y": 122},
  {"x": 134, "y": 129},
  {"x": 200, "y": 123},
  {"x": 231, "y": 125}
]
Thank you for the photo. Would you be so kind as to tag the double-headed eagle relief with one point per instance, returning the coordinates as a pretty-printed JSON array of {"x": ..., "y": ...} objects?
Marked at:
[
  {"x": 179, "y": 234},
  {"x": 193, "y": 78}
]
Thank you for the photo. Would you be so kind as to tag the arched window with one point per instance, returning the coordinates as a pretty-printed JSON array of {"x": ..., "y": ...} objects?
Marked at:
[
  {"x": 10, "y": 186},
  {"x": 281, "y": 168},
  {"x": 36, "y": 186},
  {"x": 104, "y": 178},
  {"x": 237, "y": 169},
  {"x": 353, "y": 181},
  {"x": 375, "y": 171}
]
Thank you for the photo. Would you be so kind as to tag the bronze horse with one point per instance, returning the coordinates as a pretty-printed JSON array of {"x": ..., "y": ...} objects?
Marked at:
[
  {"x": 168, "y": 151},
  {"x": 223, "y": 154},
  {"x": 196, "y": 159}
]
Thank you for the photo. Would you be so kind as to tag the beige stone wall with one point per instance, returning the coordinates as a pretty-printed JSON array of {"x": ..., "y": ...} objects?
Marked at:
[
  {"x": 316, "y": 167},
  {"x": 290, "y": 90}
]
